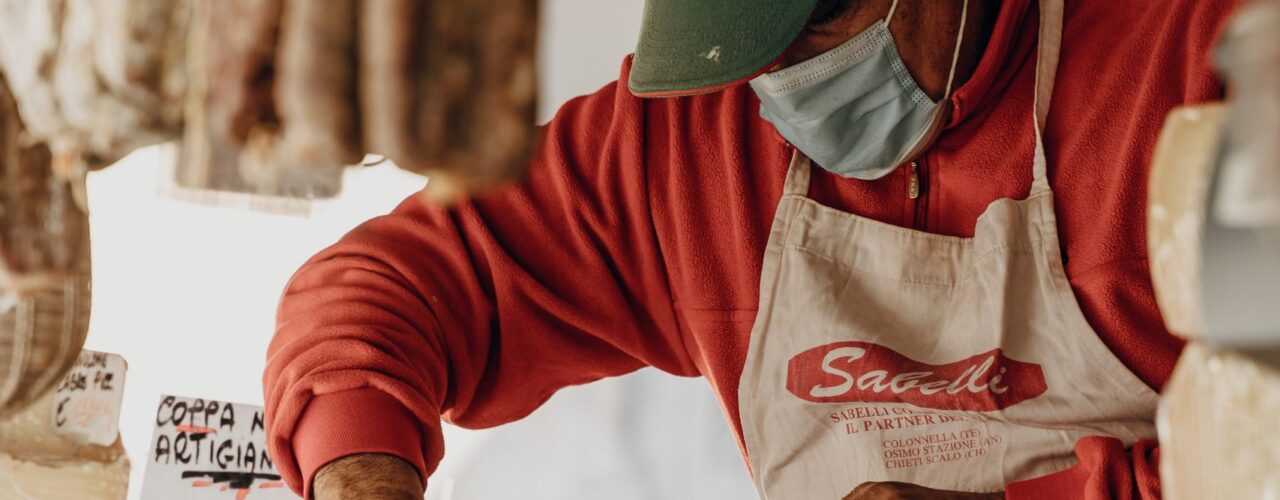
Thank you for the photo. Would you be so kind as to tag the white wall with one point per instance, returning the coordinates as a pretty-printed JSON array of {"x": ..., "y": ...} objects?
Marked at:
[
  {"x": 187, "y": 294},
  {"x": 583, "y": 44}
]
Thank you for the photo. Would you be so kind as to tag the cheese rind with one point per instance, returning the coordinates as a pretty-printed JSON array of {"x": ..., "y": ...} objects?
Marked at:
[{"x": 1217, "y": 427}]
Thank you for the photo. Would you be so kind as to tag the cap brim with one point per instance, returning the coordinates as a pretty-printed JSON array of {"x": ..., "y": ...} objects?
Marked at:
[{"x": 698, "y": 46}]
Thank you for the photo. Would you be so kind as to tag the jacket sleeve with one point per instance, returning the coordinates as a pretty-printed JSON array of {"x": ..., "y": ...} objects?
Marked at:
[{"x": 478, "y": 313}]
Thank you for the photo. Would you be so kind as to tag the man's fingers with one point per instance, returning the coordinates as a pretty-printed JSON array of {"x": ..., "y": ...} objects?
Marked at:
[
  {"x": 874, "y": 491},
  {"x": 906, "y": 491}
]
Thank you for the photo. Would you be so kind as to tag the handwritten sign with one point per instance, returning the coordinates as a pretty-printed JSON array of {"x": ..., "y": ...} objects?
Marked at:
[
  {"x": 205, "y": 449},
  {"x": 86, "y": 405}
]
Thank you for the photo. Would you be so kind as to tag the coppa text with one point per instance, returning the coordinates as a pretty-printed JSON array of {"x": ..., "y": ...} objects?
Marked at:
[
  {"x": 197, "y": 441},
  {"x": 210, "y": 449}
]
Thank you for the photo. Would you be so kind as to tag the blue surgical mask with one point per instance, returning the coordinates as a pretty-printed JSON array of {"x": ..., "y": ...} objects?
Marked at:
[{"x": 855, "y": 110}]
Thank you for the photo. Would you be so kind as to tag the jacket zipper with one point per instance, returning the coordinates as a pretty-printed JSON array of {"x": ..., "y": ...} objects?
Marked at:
[
  {"x": 913, "y": 181},
  {"x": 917, "y": 183}
]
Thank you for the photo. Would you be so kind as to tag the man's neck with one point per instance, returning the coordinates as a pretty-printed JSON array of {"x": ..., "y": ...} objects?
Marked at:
[{"x": 925, "y": 32}]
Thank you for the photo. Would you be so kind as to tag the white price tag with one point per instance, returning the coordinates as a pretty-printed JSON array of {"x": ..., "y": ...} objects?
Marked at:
[{"x": 86, "y": 405}]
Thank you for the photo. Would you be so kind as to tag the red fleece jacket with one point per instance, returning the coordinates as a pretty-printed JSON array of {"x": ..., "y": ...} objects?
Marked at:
[{"x": 638, "y": 236}]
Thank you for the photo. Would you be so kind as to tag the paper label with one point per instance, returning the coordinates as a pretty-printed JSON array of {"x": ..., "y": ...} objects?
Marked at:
[
  {"x": 88, "y": 399},
  {"x": 206, "y": 449}
]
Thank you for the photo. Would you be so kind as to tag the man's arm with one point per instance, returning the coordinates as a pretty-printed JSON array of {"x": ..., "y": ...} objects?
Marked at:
[
  {"x": 368, "y": 477},
  {"x": 478, "y": 313}
]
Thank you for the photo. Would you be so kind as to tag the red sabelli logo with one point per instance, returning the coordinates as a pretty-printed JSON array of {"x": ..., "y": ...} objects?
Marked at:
[{"x": 846, "y": 372}]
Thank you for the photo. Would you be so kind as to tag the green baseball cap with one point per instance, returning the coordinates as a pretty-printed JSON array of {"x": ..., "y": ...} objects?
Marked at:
[{"x": 699, "y": 46}]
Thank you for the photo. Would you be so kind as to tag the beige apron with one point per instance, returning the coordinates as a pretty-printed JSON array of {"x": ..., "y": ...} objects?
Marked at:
[{"x": 887, "y": 354}]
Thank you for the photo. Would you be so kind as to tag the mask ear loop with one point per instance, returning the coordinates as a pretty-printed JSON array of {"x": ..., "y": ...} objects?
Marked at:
[
  {"x": 955, "y": 57},
  {"x": 893, "y": 8}
]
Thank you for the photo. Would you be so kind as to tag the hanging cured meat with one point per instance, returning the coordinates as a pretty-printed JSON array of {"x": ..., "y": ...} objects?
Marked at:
[
  {"x": 232, "y": 119},
  {"x": 448, "y": 88},
  {"x": 388, "y": 62},
  {"x": 278, "y": 95},
  {"x": 269, "y": 97},
  {"x": 95, "y": 79},
  {"x": 44, "y": 266},
  {"x": 316, "y": 86},
  {"x": 284, "y": 97}
]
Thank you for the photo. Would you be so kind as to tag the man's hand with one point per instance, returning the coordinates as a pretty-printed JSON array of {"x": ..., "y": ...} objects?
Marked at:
[
  {"x": 367, "y": 477},
  {"x": 904, "y": 491}
]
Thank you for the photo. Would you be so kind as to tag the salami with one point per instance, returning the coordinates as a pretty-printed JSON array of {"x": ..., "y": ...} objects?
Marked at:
[
  {"x": 463, "y": 72},
  {"x": 95, "y": 79},
  {"x": 44, "y": 266},
  {"x": 316, "y": 84},
  {"x": 388, "y": 63},
  {"x": 268, "y": 112}
]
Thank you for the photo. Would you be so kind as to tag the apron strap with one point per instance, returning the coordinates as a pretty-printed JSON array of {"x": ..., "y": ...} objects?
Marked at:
[
  {"x": 797, "y": 182},
  {"x": 1050, "y": 47},
  {"x": 955, "y": 55}
]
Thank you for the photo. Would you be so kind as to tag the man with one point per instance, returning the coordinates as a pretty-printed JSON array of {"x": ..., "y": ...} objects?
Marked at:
[{"x": 847, "y": 221}]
